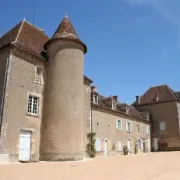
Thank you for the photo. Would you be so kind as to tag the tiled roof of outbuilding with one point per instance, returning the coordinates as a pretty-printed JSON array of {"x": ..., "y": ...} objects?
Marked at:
[
  {"x": 120, "y": 108},
  {"x": 163, "y": 92}
]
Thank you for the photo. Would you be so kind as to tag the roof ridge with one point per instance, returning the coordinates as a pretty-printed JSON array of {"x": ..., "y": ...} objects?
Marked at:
[
  {"x": 158, "y": 86},
  {"x": 42, "y": 30},
  {"x": 10, "y": 30},
  {"x": 19, "y": 32},
  {"x": 172, "y": 92}
]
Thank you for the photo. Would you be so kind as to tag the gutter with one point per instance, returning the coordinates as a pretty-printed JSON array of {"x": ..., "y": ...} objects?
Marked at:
[{"x": 4, "y": 90}]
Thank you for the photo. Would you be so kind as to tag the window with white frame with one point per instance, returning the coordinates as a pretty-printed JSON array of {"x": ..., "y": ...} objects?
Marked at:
[
  {"x": 147, "y": 130},
  {"x": 138, "y": 144},
  {"x": 128, "y": 127},
  {"x": 95, "y": 98},
  {"x": 33, "y": 105},
  {"x": 98, "y": 145},
  {"x": 39, "y": 75},
  {"x": 113, "y": 105},
  {"x": 118, "y": 124},
  {"x": 162, "y": 126},
  {"x": 138, "y": 128}
]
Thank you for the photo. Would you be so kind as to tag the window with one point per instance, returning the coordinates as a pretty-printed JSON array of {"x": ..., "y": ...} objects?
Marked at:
[
  {"x": 98, "y": 145},
  {"x": 147, "y": 130},
  {"x": 39, "y": 75},
  {"x": 95, "y": 98},
  {"x": 162, "y": 126},
  {"x": 33, "y": 103},
  {"x": 119, "y": 146},
  {"x": 138, "y": 144},
  {"x": 113, "y": 105},
  {"x": 128, "y": 127},
  {"x": 119, "y": 124},
  {"x": 138, "y": 128}
]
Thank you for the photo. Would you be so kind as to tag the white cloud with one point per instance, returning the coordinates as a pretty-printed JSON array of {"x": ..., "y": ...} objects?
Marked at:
[{"x": 169, "y": 9}]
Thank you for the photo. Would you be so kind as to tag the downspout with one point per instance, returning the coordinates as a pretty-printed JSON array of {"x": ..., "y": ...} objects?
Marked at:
[
  {"x": 178, "y": 116},
  {"x": 91, "y": 130},
  {"x": 4, "y": 91}
]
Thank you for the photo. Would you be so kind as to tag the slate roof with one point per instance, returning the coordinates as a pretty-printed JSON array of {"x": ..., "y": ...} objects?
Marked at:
[
  {"x": 120, "y": 108},
  {"x": 163, "y": 92},
  {"x": 27, "y": 38}
]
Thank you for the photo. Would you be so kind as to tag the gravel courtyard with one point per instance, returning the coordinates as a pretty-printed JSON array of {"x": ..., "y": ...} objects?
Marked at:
[{"x": 153, "y": 166}]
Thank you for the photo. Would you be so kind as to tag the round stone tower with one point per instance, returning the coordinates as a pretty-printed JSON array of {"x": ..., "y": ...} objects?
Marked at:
[{"x": 62, "y": 126}]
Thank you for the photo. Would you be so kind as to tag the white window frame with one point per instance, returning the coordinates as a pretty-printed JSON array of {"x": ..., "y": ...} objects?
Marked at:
[
  {"x": 119, "y": 127},
  {"x": 95, "y": 98},
  {"x": 98, "y": 149},
  {"x": 138, "y": 143},
  {"x": 32, "y": 105},
  {"x": 39, "y": 77},
  {"x": 113, "y": 105},
  {"x": 130, "y": 128},
  {"x": 161, "y": 127},
  {"x": 119, "y": 143},
  {"x": 147, "y": 130},
  {"x": 138, "y": 128}
]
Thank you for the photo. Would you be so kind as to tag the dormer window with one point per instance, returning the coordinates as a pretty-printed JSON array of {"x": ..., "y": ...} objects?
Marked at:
[
  {"x": 95, "y": 98},
  {"x": 156, "y": 98},
  {"x": 39, "y": 75},
  {"x": 113, "y": 105}
]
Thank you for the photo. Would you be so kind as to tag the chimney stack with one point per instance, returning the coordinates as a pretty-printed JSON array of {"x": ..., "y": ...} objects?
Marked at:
[
  {"x": 115, "y": 98},
  {"x": 94, "y": 89},
  {"x": 138, "y": 99},
  {"x": 127, "y": 109}
]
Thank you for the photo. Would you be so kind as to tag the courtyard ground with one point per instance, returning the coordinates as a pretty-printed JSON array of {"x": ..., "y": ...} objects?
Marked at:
[{"x": 152, "y": 166}]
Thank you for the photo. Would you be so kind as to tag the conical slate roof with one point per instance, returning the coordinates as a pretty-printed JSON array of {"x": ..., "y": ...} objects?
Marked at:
[{"x": 66, "y": 31}]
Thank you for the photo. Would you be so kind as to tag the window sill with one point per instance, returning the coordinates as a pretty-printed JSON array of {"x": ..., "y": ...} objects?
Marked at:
[
  {"x": 39, "y": 84},
  {"x": 33, "y": 115}
]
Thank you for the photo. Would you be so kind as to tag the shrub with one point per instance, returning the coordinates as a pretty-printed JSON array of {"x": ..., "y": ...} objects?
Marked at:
[
  {"x": 114, "y": 147},
  {"x": 91, "y": 150},
  {"x": 125, "y": 150},
  {"x": 135, "y": 149}
]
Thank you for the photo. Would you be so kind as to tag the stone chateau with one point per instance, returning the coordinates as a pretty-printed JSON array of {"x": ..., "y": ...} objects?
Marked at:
[{"x": 48, "y": 106}]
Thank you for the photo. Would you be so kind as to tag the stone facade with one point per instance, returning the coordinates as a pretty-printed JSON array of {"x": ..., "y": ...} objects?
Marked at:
[
  {"x": 169, "y": 114},
  {"x": 65, "y": 112},
  {"x": 162, "y": 103},
  {"x": 104, "y": 124},
  {"x": 20, "y": 83}
]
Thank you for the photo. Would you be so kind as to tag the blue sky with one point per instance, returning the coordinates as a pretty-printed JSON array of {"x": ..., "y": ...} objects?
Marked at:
[{"x": 132, "y": 44}]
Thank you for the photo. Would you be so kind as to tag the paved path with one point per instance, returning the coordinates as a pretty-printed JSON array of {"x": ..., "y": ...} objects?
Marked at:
[{"x": 153, "y": 166}]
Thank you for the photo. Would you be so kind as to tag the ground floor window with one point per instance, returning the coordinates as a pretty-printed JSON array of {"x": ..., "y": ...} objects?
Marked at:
[
  {"x": 119, "y": 146},
  {"x": 139, "y": 144},
  {"x": 98, "y": 145}
]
